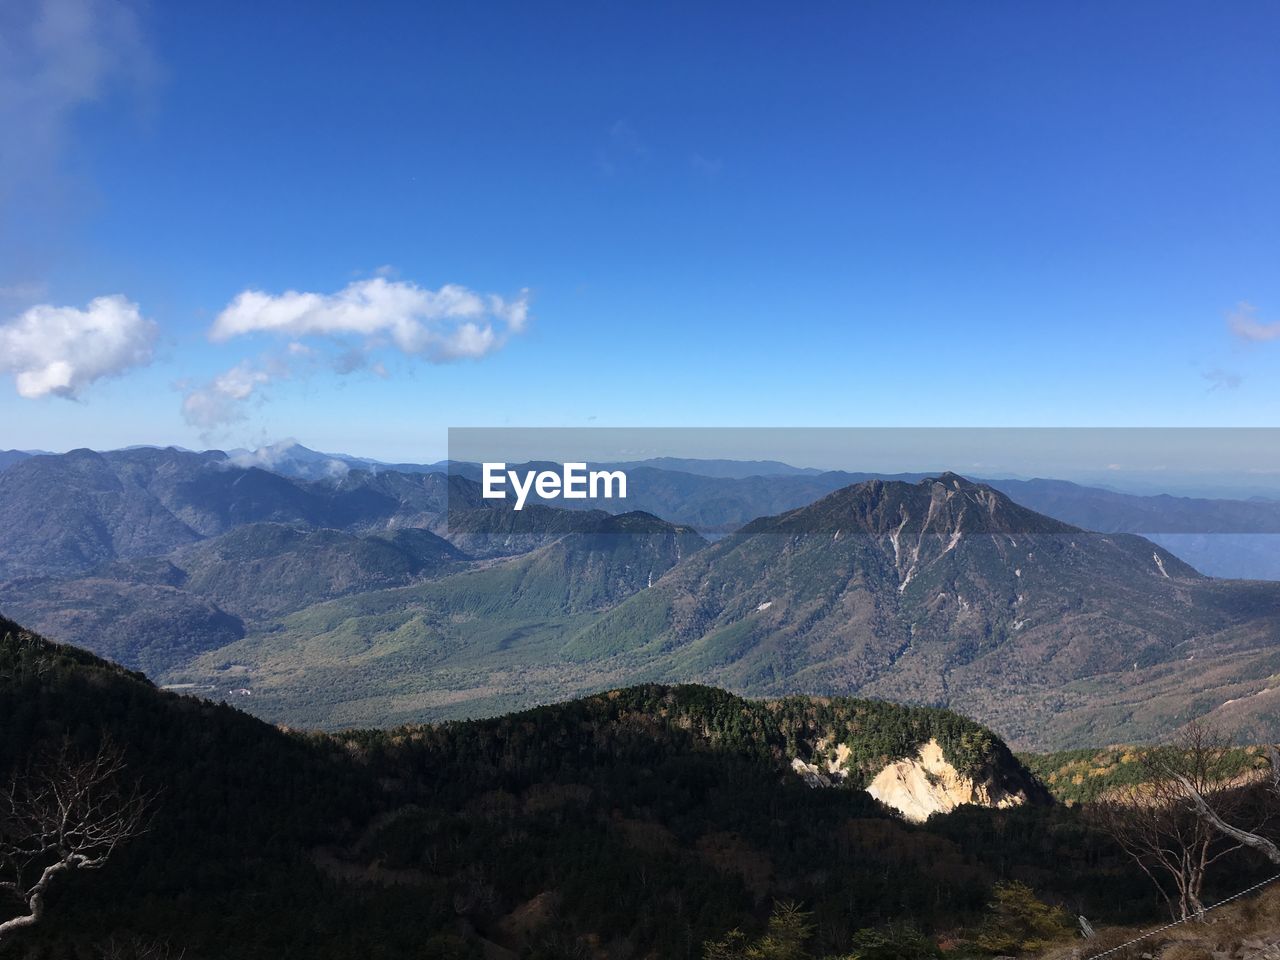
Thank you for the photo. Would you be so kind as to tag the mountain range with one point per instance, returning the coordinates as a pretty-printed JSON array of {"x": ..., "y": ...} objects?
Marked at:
[
  {"x": 390, "y": 596},
  {"x": 1237, "y": 538},
  {"x": 943, "y": 592}
]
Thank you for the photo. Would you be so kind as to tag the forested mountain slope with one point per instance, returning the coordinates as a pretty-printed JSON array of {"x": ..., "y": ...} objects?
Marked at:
[{"x": 644, "y": 821}]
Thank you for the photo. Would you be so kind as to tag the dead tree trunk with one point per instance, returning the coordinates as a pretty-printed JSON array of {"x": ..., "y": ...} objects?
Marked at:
[{"x": 1208, "y": 814}]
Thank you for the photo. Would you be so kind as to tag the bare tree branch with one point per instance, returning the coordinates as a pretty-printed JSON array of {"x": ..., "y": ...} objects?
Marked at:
[
  {"x": 64, "y": 812},
  {"x": 139, "y": 948},
  {"x": 1245, "y": 837}
]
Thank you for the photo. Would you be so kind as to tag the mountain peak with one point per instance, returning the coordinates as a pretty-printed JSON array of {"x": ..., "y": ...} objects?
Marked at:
[
  {"x": 949, "y": 478},
  {"x": 947, "y": 504}
]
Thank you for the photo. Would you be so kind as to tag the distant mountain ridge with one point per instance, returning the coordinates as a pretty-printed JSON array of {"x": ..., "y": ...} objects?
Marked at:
[
  {"x": 943, "y": 592},
  {"x": 9, "y": 457},
  {"x": 362, "y": 598},
  {"x": 67, "y": 513},
  {"x": 1220, "y": 537},
  {"x": 291, "y": 459},
  {"x": 723, "y": 469}
]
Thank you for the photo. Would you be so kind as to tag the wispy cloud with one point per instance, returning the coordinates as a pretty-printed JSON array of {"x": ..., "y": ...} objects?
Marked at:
[
  {"x": 1220, "y": 379},
  {"x": 1244, "y": 323},
  {"x": 623, "y": 148},
  {"x": 347, "y": 330},
  {"x": 27, "y": 292},
  {"x": 56, "y": 56},
  {"x": 222, "y": 400},
  {"x": 707, "y": 166},
  {"x": 61, "y": 350},
  {"x": 271, "y": 456}
]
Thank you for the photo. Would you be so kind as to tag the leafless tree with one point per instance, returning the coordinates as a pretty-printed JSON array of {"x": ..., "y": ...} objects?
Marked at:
[
  {"x": 1154, "y": 824},
  {"x": 1212, "y": 813},
  {"x": 65, "y": 811},
  {"x": 139, "y": 948}
]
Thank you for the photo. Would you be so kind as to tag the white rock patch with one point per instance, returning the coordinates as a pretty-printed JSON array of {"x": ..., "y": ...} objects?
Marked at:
[
  {"x": 810, "y": 773},
  {"x": 920, "y": 787}
]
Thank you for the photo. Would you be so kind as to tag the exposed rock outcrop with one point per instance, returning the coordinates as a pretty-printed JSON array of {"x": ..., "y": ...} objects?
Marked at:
[
  {"x": 926, "y": 784},
  {"x": 814, "y": 775}
]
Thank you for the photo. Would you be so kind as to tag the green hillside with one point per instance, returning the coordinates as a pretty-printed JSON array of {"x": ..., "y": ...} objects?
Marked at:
[
  {"x": 397, "y": 655},
  {"x": 1081, "y": 776},
  {"x": 154, "y": 614},
  {"x": 260, "y": 570}
]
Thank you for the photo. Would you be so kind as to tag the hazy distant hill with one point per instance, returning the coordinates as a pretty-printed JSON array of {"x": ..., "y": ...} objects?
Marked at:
[
  {"x": 68, "y": 513},
  {"x": 263, "y": 570},
  {"x": 156, "y": 613},
  {"x": 9, "y": 457},
  {"x": 1222, "y": 538},
  {"x": 72, "y": 511},
  {"x": 291, "y": 459},
  {"x": 1108, "y": 511},
  {"x": 731, "y": 469}
]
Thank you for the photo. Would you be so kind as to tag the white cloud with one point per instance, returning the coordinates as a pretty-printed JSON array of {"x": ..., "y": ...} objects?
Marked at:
[
  {"x": 272, "y": 456},
  {"x": 221, "y": 400},
  {"x": 61, "y": 350},
  {"x": 366, "y": 316},
  {"x": 1245, "y": 324},
  {"x": 451, "y": 323}
]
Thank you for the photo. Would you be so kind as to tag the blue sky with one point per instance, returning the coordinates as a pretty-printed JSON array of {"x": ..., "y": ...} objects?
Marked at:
[{"x": 751, "y": 214}]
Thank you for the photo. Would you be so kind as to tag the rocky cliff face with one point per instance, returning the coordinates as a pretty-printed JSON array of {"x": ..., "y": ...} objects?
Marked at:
[
  {"x": 920, "y": 786},
  {"x": 926, "y": 784}
]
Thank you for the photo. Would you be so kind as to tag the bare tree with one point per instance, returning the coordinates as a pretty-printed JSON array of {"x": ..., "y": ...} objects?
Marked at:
[
  {"x": 63, "y": 812},
  {"x": 1153, "y": 823},
  {"x": 1213, "y": 815},
  {"x": 140, "y": 948}
]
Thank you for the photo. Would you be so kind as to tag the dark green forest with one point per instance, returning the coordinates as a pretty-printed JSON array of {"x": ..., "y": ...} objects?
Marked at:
[{"x": 646, "y": 822}]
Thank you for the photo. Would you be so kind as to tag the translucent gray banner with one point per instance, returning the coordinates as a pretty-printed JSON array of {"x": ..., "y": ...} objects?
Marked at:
[{"x": 1159, "y": 482}]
